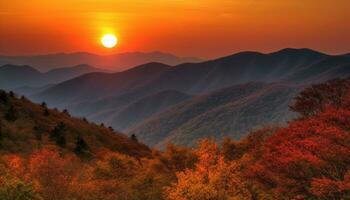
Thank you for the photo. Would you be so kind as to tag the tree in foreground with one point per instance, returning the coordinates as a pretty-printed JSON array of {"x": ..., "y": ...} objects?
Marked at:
[
  {"x": 310, "y": 158},
  {"x": 316, "y": 98},
  {"x": 53, "y": 174},
  {"x": 212, "y": 178}
]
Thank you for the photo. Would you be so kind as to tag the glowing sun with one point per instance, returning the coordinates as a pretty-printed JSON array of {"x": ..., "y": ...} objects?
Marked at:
[{"x": 109, "y": 40}]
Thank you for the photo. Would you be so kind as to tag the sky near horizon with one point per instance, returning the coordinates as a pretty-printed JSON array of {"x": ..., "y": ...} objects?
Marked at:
[{"x": 202, "y": 28}]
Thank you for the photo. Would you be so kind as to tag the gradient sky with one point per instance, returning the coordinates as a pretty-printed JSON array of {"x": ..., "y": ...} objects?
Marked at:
[{"x": 203, "y": 28}]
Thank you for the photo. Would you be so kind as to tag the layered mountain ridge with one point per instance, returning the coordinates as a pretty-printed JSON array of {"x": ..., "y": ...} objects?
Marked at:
[
  {"x": 114, "y": 62},
  {"x": 161, "y": 103},
  {"x": 16, "y": 76}
]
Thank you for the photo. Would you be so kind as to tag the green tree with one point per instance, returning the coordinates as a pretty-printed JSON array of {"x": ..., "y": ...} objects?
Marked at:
[
  {"x": 12, "y": 94},
  {"x": 134, "y": 138},
  {"x": 3, "y": 97},
  {"x": 80, "y": 145},
  {"x": 1, "y": 133},
  {"x": 46, "y": 112},
  {"x": 38, "y": 132},
  {"x": 65, "y": 111},
  {"x": 57, "y": 134},
  {"x": 43, "y": 104},
  {"x": 11, "y": 114}
]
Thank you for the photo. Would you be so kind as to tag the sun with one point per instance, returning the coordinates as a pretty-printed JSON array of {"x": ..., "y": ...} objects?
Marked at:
[{"x": 109, "y": 40}]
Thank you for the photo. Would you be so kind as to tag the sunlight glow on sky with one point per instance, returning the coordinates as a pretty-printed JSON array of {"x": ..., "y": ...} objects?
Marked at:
[{"x": 204, "y": 28}]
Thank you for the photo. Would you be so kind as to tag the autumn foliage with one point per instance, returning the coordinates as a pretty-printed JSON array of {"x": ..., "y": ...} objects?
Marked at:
[{"x": 307, "y": 159}]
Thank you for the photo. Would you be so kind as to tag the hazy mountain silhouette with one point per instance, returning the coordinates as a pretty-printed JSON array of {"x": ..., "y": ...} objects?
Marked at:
[
  {"x": 14, "y": 76},
  {"x": 94, "y": 86},
  {"x": 142, "y": 109},
  {"x": 103, "y": 96},
  {"x": 192, "y": 78},
  {"x": 116, "y": 62},
  {"x": 31, "y": 90},
  {"x": 231, "y": 111}
]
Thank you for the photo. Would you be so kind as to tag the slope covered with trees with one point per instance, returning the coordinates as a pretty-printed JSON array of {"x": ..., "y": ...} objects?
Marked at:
[
  {"x": 25, "y": 126},
  {"x": 308, "y": 159},
  {"x": 232, "y": 112},
  {"x": 103, "y": 97}
]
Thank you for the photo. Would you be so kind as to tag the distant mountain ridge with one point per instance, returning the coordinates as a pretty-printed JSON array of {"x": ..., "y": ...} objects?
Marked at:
[
  {"x": 290, "y": 65},
  {"x": 14, "y": 76},
  {"x": 102, "y": 96},
  {"x": 115, "y": 62},
  {"x": 95, "y": 86},
  {"x": 228, "y": 112}
]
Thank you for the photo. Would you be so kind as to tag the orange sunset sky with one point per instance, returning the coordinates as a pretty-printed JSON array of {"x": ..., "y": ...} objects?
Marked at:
[{"x": 202, "y": 28}]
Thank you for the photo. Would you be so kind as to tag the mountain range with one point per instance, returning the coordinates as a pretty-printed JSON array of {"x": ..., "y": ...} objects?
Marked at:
[
  {"x": 15, "y": 76},
  {"x": 229, "y": 112},
  {"x": 114, "y": 62},
  {"x": 228, "y": 96}
]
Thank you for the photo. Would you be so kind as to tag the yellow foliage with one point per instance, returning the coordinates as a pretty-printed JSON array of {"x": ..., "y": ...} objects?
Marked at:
[{"x": 212, "y": 178}]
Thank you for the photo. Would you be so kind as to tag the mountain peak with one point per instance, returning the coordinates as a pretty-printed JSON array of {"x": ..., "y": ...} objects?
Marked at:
[
  {"x": 27, "y": 68},
  {"x": 290, "y": 51},
  {"x": 243, "y": 54},
  {"x": 347, "y": 55},
  {"x": 151, "y": 66}
]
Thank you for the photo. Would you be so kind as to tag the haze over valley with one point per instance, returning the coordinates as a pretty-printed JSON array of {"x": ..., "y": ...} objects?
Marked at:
[{"x": 159, "y": 103}]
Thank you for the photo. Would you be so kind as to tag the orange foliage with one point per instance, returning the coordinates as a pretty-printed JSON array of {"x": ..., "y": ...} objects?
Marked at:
[
  {"x": 212, "y": 178},
  {"x": 52, "y": 173},
  {"x": 16, "y": 165},
  {"x": 308, "y": 159}
]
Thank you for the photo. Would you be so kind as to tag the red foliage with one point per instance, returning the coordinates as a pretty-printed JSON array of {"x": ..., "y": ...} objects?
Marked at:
[
  {"x": 314, "y": 99},
  {"x": 306, "y": 153},
  {"x": 328, "y": 188}
]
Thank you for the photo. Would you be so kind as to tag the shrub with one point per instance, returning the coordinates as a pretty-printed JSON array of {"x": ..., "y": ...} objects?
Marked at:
[{"x": 11, "y": 114}]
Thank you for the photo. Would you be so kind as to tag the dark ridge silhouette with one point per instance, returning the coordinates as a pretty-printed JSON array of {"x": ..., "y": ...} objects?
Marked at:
[
  {"x": 103, "y": 96},
  {"x": 15, "y": 76},
  {"x": 94, "y": 86},
  {"x": 12, "y": 76},
  {"x": 116, "y": 62},
  {"x": 348, "y": 55}
]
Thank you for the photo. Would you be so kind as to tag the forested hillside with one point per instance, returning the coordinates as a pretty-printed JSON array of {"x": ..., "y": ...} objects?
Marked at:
[
  {"x": 307, "y": 159},
  {"x": 111, "y": 98},
  {"x": 229, "y": 112},
  {"x": 26, "y": 127}
]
